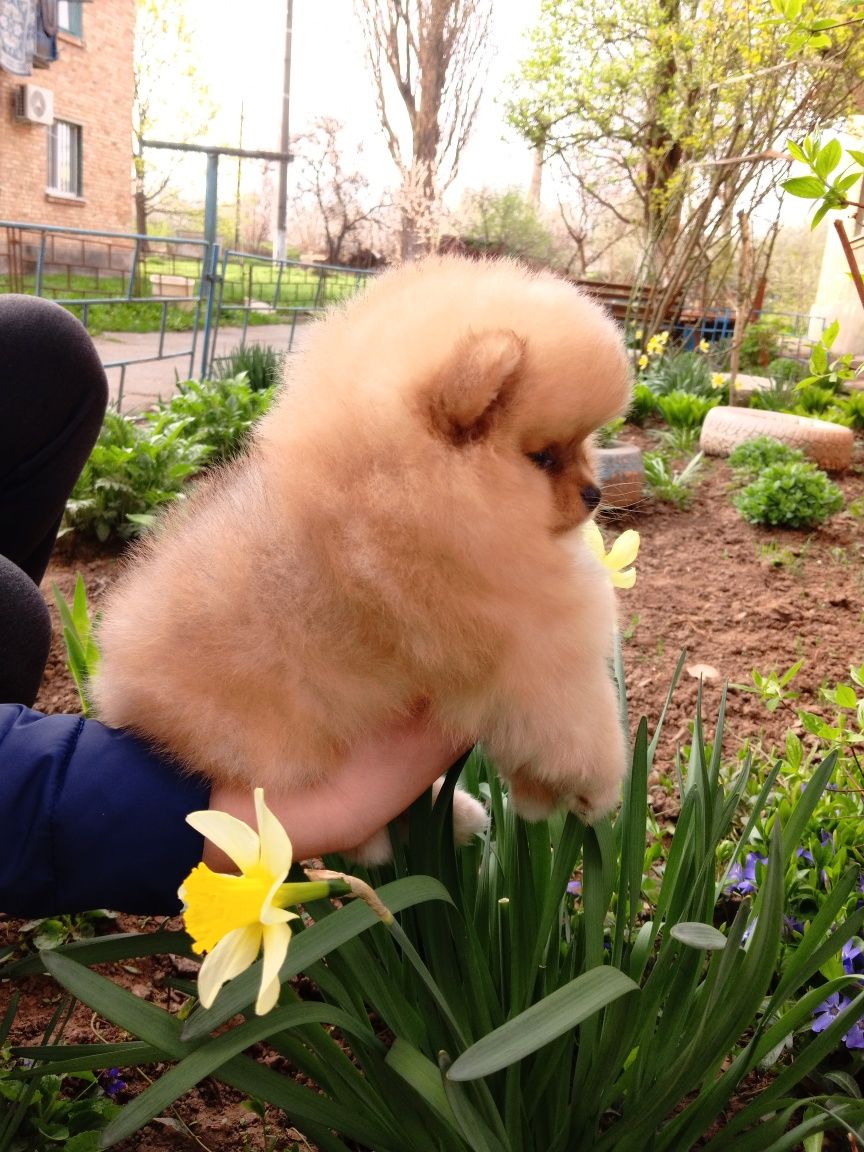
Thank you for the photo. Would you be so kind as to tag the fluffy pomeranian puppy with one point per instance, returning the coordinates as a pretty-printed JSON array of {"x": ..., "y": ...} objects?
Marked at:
[{"x": 398, "y": 534}]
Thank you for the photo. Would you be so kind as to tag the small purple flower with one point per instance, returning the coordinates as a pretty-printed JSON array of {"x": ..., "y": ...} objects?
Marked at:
[
  {"x": 742, "y": 877},
  {"x": 574, "y": 888},
  {"x": 805, "y": 854},
  {"x": 827, "y": 1011},
  {"x": 111, "y": 1083},
  {"x": 826, "y": 838}
]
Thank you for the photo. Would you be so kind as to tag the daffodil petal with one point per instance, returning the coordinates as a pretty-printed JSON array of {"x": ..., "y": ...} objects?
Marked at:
[
  {"x": 624, "y": 550},
  {"x": 276, "y": 851},
  {"x": 276, "y": 938},
  {"x": 232, "y": 955},
  {"x": 233, "y": 836},
  {"x": 625, "y": 579},
  {"x": 593, "y": 538}
]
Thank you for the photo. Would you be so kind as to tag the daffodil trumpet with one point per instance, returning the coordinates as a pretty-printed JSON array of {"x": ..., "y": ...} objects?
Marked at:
[{"x": 231, "y": 918}]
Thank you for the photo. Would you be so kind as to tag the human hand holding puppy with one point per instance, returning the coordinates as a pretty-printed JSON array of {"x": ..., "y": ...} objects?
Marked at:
[
  {"x": 401, "y": 534},
  {"x": 383, "y": 775}
]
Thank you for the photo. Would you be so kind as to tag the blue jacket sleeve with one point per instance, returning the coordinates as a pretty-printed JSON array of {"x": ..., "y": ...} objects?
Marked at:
[{"x": 90, "y": 817}]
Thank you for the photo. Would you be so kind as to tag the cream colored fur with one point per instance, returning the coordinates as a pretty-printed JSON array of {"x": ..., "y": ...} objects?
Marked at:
[{"x": 387, "y": 543}]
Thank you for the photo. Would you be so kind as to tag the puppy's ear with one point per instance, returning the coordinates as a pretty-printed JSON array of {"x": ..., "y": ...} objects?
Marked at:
[{"x": 474, "y": 385}]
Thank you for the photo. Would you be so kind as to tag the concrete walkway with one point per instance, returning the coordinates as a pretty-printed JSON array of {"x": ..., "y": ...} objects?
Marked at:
[{"x": 145, "y": 379}]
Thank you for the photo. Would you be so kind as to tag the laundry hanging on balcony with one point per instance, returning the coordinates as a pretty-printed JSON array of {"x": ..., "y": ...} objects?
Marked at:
[
  {"x": 46, "y": 33},
  {"x": 17, "y": 36}
]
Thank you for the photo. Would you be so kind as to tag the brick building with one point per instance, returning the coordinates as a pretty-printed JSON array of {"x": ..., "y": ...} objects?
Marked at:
[{"x": 74, "y": 172}]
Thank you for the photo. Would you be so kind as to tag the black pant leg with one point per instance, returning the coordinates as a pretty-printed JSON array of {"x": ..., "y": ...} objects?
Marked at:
[
  {"x": 53, "y": 395},
  {"x": 25, "y": 635}
]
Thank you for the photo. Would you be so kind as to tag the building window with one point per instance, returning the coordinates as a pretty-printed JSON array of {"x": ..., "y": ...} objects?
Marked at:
[
  {"x": 64, "y": 159},
  {"x": 69, "y": 18}
]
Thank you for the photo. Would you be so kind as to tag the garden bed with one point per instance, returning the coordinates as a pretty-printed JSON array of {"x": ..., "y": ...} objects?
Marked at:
[{"x": 735, "y": 596}]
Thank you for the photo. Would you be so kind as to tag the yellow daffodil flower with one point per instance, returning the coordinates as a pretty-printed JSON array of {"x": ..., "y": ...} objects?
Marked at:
[
  {"x": 704, "y": 346},
  {"x": 717, "y": 379},
  {"x": 231, "y": 918},
  {"x": 643, "y": 361},
  {"x": 617, "y": 560}
]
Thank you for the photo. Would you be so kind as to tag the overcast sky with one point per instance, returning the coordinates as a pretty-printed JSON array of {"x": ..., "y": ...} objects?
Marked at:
[{"x": 241, "y": 54}]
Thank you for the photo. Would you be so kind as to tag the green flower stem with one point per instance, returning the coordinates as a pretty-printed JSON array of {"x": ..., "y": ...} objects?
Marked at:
[{"x": 307, "y": 891}]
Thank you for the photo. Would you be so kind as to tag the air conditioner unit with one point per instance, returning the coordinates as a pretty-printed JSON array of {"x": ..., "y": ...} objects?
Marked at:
[{"x": 35, "y": 104}]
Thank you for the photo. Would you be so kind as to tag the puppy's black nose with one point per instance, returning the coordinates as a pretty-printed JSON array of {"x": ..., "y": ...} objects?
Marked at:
[{"x": 590, "y": 497}]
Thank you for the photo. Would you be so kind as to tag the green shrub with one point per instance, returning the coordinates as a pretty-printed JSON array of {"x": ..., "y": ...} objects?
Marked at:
[
  {"x": 760, "y": 345},
  {"x": 813, "y": 399},
  {"x": 790, "y": 495},
  {"x": 644, "y": 404},
  {"x": 680, "y": 441},
  {"x": 666, "y": 484},
  {"x": 684, "y": 409},
  {"x": 779, "y": 396},
  {"x": 262, "y": 364},
  {"x": 608, "y": 434},
  {"x": 681, "y": 371},
  {"x": 852, "y": 409},
  {"x": 754, "y": 456},
  {"x": 214, "y": 414},
  {"x": 786, "y": 371},
  {"x": 130, "y": 473}
]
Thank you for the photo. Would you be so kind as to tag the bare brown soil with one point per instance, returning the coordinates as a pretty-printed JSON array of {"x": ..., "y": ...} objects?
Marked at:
[{"x": 736, "y": 597}]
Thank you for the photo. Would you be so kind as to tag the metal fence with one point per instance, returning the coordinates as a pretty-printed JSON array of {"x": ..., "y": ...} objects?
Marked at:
[
  {"x": 180, "y": 300},
  {"x": 167, "y": 298}
]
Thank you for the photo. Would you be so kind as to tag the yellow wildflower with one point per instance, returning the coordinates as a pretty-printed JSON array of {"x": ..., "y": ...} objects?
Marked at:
[
  {"x": 643, "y": 361},
  {"x": 718, "y": 380},
  {"x": 704, "y": 346},
  {"x": 617, "y": 560}
]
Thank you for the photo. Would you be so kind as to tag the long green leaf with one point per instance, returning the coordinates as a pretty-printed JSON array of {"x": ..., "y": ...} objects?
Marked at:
[
  {"x": 310, "y": 945},
  {"x": 106, "y": 950},
  {"x": 210, "y": 1057},
  {"x": 556, "y": 1014},
  {"x": 423, "y": 1076}
]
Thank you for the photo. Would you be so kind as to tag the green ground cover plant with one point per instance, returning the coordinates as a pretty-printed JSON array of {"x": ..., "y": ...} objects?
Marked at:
[
  {"x": 139, "y": 465},
  {"x": 129, "y": 474},
  {"x": 754, "y": 456},
  {"x": 794, "y": 494}
]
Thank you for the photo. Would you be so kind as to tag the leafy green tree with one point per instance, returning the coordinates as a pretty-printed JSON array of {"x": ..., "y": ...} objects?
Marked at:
[
  {"x": 507, "y": 222},
  {"x": 169, "y": 96},
  {"x": 666, "y": 111}
]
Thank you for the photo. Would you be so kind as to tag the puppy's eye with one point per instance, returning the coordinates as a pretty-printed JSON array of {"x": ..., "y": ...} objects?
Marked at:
[{"x": 546, "y": 460}]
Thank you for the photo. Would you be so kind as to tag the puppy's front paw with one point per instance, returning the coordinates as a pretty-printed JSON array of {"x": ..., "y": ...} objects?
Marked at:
[
  {"x": 583, "y": 773},
  {"x": 470, "y": 818},
  {"x": 376, "y": 850},
  {"x": 535, "y": 798}
]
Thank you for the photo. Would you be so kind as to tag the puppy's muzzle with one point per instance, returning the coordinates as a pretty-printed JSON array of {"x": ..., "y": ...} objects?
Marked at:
[{"x": 590, "y": 497}]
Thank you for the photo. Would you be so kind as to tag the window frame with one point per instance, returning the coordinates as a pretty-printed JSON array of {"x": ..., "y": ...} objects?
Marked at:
[
  {"x": 75, "y": 161},
  {"x": 70, "y": 18}
]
